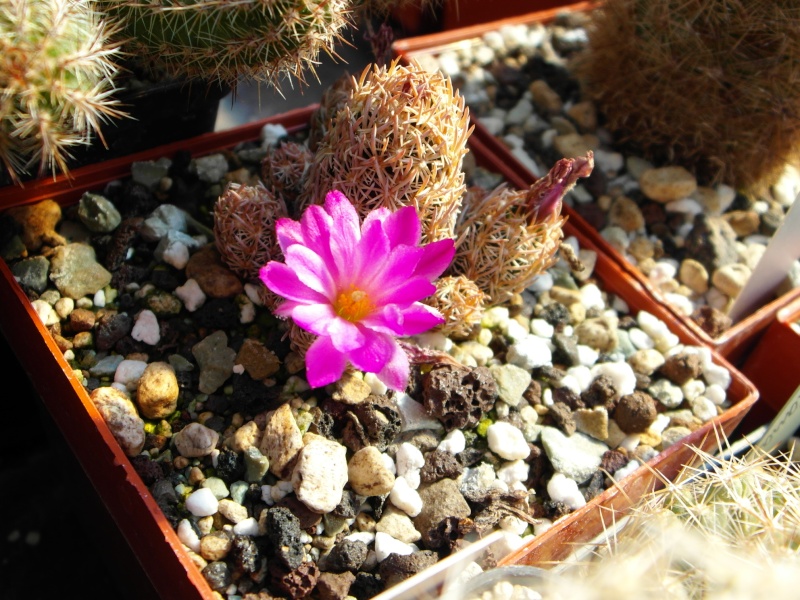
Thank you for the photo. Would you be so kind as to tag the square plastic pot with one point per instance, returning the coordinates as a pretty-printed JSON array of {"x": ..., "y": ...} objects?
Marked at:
[
  {"x": 143, "y": 529},
  {"x": 736, "y": 341}
]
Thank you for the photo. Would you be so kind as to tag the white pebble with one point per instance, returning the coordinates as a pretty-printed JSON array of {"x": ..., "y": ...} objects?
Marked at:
[
  {"x": 629, "y": 442},
  {"x": 542, "y": 283},
  {"x": 513, "y": 472},
  {"x": 530, "y": 353},
  {"x": 704, "y": 409},
  {"x": 129, "y": 372},
  {"x": 507, "y": 441},
  {"x": 692, "y": 389},
  {"x": 660, "y": 424},
  {"x": 202, "y": 503},
  {"x": 515, "y": 331},
  {"x": 682, "y": 304},
  {"x": 716, "y": 394},
  {"x": 188, "y": 536},
  {"x": 408, "y": 458},
  {"x": 405, "y": 497},
  {"x": 248, "y": 526},
  {"x": 100, "y": 299},
  {"x": 47, "y": 315},
  {"x": 581, "y": 374},
  {"x": 622, "y": 376},
  {"x": 640, "y": 339},
  {"x": 571, "y": 383},
  {"x": 623, "y": 472},
  {"x": 386, "y": 545},
  {"x": 454, "y": 442},
  {"x": 542, "y": 328},
  {"x": 561, "y": 488},
  {"x": 361, "y": 536},
  {"x": 587, "y": 356},
  {"x": 542, "y": 526},
  {"x": 146, "y": 328},
  {"x": 495, "y": 318},
  {"x": 687, "y": 206},
  {"x": 376, "y": 386},
  {"x": 191, "y": 295},
  {"x": 434, "y": 340},
  {"x": 592, "y": 297},
  {"x": 414, "y": 415},
  {"x": 717, "y": 375},
  {"x": 266, "y": 495},
  {"x": 513, "y": 524}
]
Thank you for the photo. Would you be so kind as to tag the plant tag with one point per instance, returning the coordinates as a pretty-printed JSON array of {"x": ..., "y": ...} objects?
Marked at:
[
  {"x": 783, "y": 249},
  {"x": 783, "y": 426}
]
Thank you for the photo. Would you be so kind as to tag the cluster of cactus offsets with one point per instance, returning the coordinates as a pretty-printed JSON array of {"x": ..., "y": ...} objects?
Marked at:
[
  {"x": 507, "y": 237},
  {"x": 713, "y": 86},
  {"x": 56, "y": 76},
  {"x": 398, "y": 140},
  {"x": 223, "y": 40},
  {"x": 283, "y": 170},
  {"x": 244, "y": 227},
  {"x": 332, "y": 101}
]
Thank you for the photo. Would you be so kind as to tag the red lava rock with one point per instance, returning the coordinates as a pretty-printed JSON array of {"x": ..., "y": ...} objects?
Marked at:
[
  {"x": 458, "y": 396},
  {"x": 635, "y": 412},
  {"x": 682, "y": 367}
]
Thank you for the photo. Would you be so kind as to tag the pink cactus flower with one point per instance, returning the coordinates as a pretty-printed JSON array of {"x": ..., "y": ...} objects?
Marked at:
[{"x": 356, "y": 287}]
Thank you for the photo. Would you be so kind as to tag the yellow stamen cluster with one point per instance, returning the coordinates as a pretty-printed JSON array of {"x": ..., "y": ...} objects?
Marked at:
[{"x": 353, "y": 305}]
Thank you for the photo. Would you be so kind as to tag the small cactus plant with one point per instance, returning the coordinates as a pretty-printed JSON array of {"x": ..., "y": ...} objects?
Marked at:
[
  {"x": 713, "y": 86},
  {"x": 261, "y": 40},
  {"x": 284, "y": 169},
  {"x": 244, "y": 227},
  {"x": 56, "y": 75},
  {"x": 508, "y": 237},
  {"x": 398, "y": 140}
]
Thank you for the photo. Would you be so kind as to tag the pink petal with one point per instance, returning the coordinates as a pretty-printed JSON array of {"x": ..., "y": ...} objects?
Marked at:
[
  {"x": 371, "y": 253},
  {"x": 395, "y": 372},
  {"x": 378, "y": 215},
  {"x": 413, "y": 290},
  {"x": 403, "y": 227},
  {"x": 311, "y": 269},
  {"x": 316, "y": 227},
  {"x": 375, "y": 353},
  {"x": 345, "y": 230},
  {"x": 436, "y": 258},
  {"x": 288, "y": 232},
  {"x": 345, "y": 336},
  {"x": 324, "y": 364},
  {"x": 411, "y": 320},
  {"x": 315, "y": 318},
  {"x": 282, "y": 280}
]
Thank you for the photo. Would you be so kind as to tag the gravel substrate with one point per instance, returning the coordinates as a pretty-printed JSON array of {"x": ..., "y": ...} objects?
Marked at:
[
  {"x": 696, "y": 245},
  {"x": 284, "y": 491}
]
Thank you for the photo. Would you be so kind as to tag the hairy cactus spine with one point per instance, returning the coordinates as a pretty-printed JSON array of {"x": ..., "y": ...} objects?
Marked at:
[{"x": 56, "y": 76}]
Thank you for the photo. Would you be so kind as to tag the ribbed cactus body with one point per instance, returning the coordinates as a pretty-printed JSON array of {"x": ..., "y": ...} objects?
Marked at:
[
  {"x": 399, "y": 140},
  {"x": 261, "y": 40},
  {"x": 56, "y": 77}
]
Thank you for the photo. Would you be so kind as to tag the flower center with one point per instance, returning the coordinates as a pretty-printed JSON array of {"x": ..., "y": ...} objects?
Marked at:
[{"x": 353, "y": 305}]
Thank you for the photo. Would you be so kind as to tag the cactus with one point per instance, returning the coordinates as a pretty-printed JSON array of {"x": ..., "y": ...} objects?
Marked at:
[
  {"x": 284, "y": 169},
  {"x": 507, "y": 237},
  {"x": 244, "y": 227},
  {"x": 56, "y": 74},
  {"x": 460, "y": 301},
  {"x": 223, "y": 40},
  {"x": 713, "y": 86},
  {"x": 398, "y": 140}
]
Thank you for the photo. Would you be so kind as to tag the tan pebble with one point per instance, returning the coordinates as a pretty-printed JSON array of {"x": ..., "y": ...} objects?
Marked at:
[
  {"x": 39, "y": 222},
  {"x": 647, "y": 265},
  {"x": 730, "y": 279},
  {"x": 294, "y": 363},
  {"x": 641, "y": 248},
  {"x": 215, "y": 279},
  {"x": 157, "y": 391},
  {"x": 564, "y": 295},
  {"x": 196, "y": 475},
  {"x": 233, "y": 511},
  {"x": 649, "y": 438},
  {"x": 574, "y": 145},
  {"x": 365, "y": 522},
  {"x": 625, "y": 213},
  {"x": 247, "y": 436},
  {"x": 545, "y": 98},
  {"x": 562, "y": 125},
  {"x": 205, "y": 525},
  {"x": 198, "y": 561},
  {"x": 83, "y": 339},
  {"x": 667, "y": 184},
  {"x": 604, "y": 202},
  {"x": 281, "y": 440},
  {"x": 122, "y": 418},
  {"x": 584, "y": 114},
  {"x": 180, "y": 462},
  {"x": 577, "y": 313},
  {"x": 259, "y": 361},
  {"x": 351, "y": 389},
  {"x": 743, "y": 222},
  {"x": 592, "y": 421},
  {"x": 693, "y": 275},
  {"x": 215, "y": 546},
  {"x": 368, "y": 474}
]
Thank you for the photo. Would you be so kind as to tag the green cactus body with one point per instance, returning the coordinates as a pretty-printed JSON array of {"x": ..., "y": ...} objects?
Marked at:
[
  {"x": 223, "y": 40},
  {"x": 56, "y": 73}
]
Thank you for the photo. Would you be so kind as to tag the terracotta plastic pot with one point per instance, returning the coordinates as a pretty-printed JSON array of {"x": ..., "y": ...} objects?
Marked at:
[
  {"x": 734, "y": 343},
  {"x": 143, "y": 527},
  {"x": 772, "y": 365}
]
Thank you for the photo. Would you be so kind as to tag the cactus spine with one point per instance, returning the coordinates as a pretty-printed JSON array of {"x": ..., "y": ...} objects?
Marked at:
[
  {"x": 56, "y": 76},
  {"x": 223, "y": 40}
]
